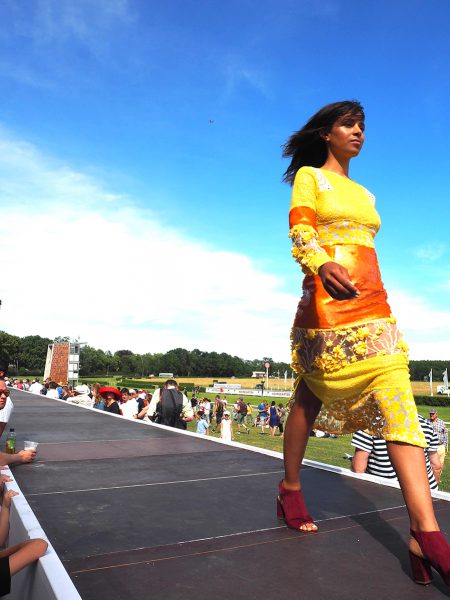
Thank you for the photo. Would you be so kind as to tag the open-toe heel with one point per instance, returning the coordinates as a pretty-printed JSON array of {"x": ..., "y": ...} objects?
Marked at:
[
  {"x": 421, "y": 569},
  {"x": 292, "y": 509},
  {"x": 435, "y": 553}
]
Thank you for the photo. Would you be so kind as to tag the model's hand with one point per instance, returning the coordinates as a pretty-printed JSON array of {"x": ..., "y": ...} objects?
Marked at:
[
  {"x": 7, "y": 497},
  {"x": 26, "y": 456},
  {"x": 336, "y": 281}
]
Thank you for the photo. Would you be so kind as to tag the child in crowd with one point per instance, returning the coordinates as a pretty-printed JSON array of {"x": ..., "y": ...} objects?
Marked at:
[
  {"x": 202, "y": 423},
  {"x": 226, "y": 427},
  {"x": 21, "y": 555}
]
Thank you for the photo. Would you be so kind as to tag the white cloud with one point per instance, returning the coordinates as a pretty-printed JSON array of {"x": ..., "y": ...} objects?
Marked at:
[
  {"x": 426, "y": 328},
  {"x": 431, "y": 252},
  {"x": 85, "y": 261},
  {"x": 82, "y": 260}
]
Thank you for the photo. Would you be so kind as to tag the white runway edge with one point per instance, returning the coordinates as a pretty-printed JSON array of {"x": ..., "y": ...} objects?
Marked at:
[
  {"x": 309, "y": 463},
  {"x": 47, "y": 579}
]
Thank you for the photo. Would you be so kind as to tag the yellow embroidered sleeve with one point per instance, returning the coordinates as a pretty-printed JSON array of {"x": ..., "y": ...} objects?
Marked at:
[{"x": 302, "y": 222}]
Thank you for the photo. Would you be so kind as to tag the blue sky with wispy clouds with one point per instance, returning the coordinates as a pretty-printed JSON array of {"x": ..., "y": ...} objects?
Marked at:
[{"x": 141, "y": 141}]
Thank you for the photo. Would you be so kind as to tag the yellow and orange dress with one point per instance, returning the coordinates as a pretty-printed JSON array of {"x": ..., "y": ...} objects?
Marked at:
[{"x": 349, "y": 352}]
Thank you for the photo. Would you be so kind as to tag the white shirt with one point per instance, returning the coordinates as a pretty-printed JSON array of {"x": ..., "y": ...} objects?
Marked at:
[
  {"x": 82, "y": 399},
  {"x": 129, "y": 408},
  {"x": 35, "y": 388},
  {"x": 52, "y": 394},
  {"x": 6, "y": 412}
]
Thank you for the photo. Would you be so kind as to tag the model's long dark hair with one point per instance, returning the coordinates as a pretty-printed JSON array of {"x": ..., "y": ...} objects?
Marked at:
[{"x": 307, "y": 147}]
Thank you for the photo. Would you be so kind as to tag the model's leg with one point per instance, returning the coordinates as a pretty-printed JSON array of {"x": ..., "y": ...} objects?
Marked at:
[
  {"x": 409, "y": 464},
  {"x": 298, "y": 427}
]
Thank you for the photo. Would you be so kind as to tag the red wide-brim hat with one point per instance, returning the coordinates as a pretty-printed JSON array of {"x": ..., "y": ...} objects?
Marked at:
[{"x": 104, "y": 390}]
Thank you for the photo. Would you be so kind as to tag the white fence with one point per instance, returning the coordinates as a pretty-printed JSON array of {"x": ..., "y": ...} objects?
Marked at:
[{"x": 47, "y": 579}]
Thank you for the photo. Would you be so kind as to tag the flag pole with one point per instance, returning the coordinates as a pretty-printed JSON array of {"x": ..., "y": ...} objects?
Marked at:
[{"x": 431, "y": 382}]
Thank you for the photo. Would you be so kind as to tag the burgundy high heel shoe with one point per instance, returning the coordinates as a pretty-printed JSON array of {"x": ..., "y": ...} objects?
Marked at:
[
  {"x": 436, "y": 554},
  {"x": 292, "y": 509}
]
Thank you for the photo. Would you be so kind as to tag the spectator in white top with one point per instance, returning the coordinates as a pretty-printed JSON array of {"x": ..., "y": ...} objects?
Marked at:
[
  {"x": 6, "y": 406},
  {"x": 52, "y": 390},
  {"x": 80, "y": 397},
  {"x": 129, "y": 405},
  {"x": 35, "y": 387}
]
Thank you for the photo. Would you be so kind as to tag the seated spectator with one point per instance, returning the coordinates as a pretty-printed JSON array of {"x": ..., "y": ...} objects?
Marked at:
[
  {"x": 111, "y": 396},
  {"x": 129, "y": 406},
  {"x": 52, "y": 391},
  {"x": 202, "y": 423},
  {"x": 6, "y": 406},
  {"x": 65, "y": 392},
  {"x": 371, "y": 455},
  {"x": 15, "y": 558},
  {"x": 80, "y": 397}
]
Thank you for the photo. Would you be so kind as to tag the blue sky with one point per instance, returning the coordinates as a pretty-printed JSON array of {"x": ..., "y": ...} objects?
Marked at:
[{"x": 115, "y": 180}]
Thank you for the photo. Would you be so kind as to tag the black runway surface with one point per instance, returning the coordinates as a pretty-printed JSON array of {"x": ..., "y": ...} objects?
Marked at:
[{"x": 140, "y": 512}]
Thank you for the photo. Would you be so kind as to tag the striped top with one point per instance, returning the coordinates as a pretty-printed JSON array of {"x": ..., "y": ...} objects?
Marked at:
[{"x": 379, "y": 463}]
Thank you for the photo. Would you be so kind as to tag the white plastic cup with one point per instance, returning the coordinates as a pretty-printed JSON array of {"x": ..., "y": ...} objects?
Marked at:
[{"x": 29, "y": 445}]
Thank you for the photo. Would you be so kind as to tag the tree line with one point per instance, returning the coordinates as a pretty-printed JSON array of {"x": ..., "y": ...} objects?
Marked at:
[{"x": 26, "y": 355}]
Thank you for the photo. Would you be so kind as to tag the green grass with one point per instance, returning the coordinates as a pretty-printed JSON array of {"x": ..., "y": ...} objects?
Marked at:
[{"x": 327, "y": 450}]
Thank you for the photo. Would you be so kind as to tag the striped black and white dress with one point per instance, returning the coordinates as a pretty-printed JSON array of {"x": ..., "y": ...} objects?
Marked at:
[{"x": 379, "y": 463}]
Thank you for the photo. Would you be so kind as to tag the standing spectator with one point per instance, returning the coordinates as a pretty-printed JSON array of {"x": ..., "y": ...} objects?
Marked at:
[
  {"x": 440, "y": 428},
  {"x": 241, "y": 414},
  {"x": 170, "y": 407},
  {"x": 226, "y": 427},
  {"x": 207, "y": 409},
  {"x": 281, "y": 418},
  {"x": 262, "y": 415},
  {"x": 273, "y": 418},
  {"x": 111, "y": 396},
  {"x": 371, "y": 455},
  {"x": 249, "y": 417},
  {"x": 6, "y": 406},
  {"x": 129, "y": 406},
  {"x": 202, "y": 424},
  {"x": 35, "y": 387},
  {"x": 218, "y": 409}
]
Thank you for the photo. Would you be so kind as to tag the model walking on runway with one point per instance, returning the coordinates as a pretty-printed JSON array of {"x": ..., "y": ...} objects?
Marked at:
[{"x": 350, "y": 358}]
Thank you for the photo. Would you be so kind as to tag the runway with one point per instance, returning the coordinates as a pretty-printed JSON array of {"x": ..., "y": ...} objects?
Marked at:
[{"x": 137, "y": 511}]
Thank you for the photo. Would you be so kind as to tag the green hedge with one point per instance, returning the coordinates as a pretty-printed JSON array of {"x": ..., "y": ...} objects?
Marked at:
[{"x": 434, "y": 401}]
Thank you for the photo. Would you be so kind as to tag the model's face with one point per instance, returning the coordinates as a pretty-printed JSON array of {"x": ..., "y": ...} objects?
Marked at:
[{"x": 346, "y": 137}]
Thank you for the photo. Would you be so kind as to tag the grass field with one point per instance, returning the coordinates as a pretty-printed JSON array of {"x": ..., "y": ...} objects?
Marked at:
[
  {"x": 327, "y": 450},
  {"x": 419, "y": 387}
]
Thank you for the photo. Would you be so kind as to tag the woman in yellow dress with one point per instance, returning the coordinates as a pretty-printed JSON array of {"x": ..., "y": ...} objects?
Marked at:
[{"x": 350, "y": 359}]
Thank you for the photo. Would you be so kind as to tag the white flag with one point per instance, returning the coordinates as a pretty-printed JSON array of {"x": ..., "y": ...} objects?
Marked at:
[
  {"x": 430, "y": 375},
  {"x": 445, "y": 378},
  {"x": 285, "y": 375},
  {"x": 431, "y": 382}
]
